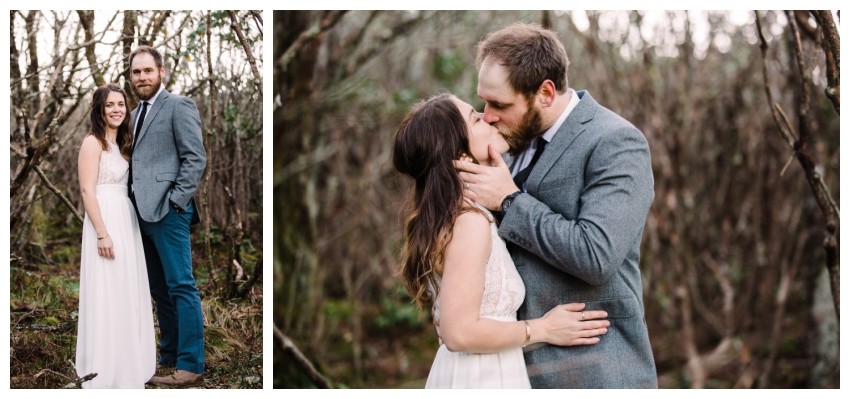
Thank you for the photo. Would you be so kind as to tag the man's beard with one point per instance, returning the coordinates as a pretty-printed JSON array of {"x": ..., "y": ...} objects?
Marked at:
[
  {"x": 149, "y": 91},
  {"x": 528, "y": 129}
]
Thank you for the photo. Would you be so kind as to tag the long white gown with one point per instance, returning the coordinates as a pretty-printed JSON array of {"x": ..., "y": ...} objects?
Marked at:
[
  {"x": 504, "y": 292},
  {"x": 115, "y": 334}
]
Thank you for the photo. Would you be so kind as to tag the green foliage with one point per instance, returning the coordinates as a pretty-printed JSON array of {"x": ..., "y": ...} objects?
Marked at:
[
  {"x": 31, "y": 290},
  {"x": 337, "y": 310},
  {"x": 448, "y": 67},
  {"x": 66, "y": 255},
  {"x": 398, "y": 312},
  {"x": 196, "y": 40},
  {"x": 229, "y": 114},
  {"x": 403, "y": 99}
]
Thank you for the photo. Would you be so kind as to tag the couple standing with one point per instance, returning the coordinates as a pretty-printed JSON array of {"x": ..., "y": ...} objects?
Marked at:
[
  {"x": 552, "y": 240},
  {"x": 147, "y": 163}
]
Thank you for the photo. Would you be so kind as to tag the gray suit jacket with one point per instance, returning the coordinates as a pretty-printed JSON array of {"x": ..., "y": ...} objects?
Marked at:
[
  {"x": 169, "y": 157},
  {"x": 575, "y": 237}
]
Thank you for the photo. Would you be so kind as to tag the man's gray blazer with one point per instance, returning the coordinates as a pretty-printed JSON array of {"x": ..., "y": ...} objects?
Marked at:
[
  {"x": 169, "y": 157},
  {"x": 575, "y": 237}
]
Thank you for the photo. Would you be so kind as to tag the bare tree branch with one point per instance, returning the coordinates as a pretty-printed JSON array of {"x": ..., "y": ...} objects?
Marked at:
[
  {"x": 258, "y": 19},
  {"x": 800, "y": 147},
  {"x": 831, "y": 48},
  {"x": 156, "y": 25},
  {"x": 327, "y": 22},
  {"x": 234, "y": 24},
  {"x": 301, "y": 361},
  {"x": 58, "y": 193},
  {"x": 36, "y": 146}
]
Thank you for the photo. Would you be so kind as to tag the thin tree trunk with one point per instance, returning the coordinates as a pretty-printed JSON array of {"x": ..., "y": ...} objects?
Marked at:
[
  {"x": 204, "y": 198},
  {"x": 128, "y": 33},
  {"x": 87, "y": 21}
]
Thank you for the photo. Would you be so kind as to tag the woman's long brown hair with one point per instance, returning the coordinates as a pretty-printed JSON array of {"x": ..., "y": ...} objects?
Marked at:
[
  {"x": 431, "y": 136},
  {"x": 124, "y": 138}
]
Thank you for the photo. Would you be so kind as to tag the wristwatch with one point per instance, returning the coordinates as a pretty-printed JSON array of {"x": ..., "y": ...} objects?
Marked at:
[
  {"x": 506, "y": 203},
  {"x": 175, "y": 206}
]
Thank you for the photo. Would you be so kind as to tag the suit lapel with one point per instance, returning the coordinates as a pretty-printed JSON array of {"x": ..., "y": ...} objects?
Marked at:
[
  {"x": 157, "y": 105},
  {"x": 573, "y": 126}
]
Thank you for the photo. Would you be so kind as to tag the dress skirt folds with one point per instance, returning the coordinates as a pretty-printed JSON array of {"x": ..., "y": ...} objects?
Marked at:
[{"x": 115, "y": 334}]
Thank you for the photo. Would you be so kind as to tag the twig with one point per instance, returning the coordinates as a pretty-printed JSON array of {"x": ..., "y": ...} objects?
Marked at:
[
  {"x": 78, "y": 383},
  {"x": 58, "y": 193},
  {"x": 156, "y": 25},
  {"x": 67, "y": 326},
  {"x": 831, "y": 48},
  {"x": 35, "y": 149},
  {"x": 799, "y": 144},
  {"x": 234, "y": 24},
  {"x": 300, "y": 360},
  {"x": 257, "y": 17}
]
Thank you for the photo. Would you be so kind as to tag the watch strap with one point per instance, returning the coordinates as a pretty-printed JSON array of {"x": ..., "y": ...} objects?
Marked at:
[{"x": 506, "y": 203}]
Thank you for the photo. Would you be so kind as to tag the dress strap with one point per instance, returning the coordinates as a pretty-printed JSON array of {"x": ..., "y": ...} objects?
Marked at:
[{"x": 487, "y": 212}]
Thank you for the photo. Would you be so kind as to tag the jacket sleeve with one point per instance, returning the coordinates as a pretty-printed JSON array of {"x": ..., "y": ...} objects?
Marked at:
[
  {"x": 611, "y": 213},
  {"x": 186, "y": 124}
]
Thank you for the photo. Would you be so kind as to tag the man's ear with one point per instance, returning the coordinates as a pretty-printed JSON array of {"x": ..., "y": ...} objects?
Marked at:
[{"x": 546, "y": 93}]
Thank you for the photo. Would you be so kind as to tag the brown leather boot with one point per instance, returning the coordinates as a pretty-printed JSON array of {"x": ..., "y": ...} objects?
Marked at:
[{"x": 180, "y": 379}]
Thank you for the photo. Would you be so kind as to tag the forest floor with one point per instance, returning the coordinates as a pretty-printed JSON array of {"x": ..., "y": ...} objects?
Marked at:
[{"x": 44, "y": 294}]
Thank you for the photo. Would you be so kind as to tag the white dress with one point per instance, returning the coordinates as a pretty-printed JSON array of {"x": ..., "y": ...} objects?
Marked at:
[
  {"x": 115, "y": 334},
  {"x": 503, "y": 294}
]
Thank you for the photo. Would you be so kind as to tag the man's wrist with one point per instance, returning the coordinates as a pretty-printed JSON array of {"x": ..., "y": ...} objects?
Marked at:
[{"x": 506, "y": 203}]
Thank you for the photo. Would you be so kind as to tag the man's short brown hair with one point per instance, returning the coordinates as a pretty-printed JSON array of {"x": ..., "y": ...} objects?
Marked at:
[
  {"x": 531, "y": 55},
  {"x": 157, "y": 58}
]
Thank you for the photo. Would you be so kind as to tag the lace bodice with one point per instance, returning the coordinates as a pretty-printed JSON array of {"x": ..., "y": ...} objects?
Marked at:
[
  {"x": 114, "y": 169},
  {"x": 504, "y": 290}
]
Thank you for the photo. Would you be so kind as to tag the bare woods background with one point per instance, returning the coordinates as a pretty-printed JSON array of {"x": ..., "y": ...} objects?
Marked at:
[
  {"x": 57, "y": 60},
  {"x": 740, "y": 257}
]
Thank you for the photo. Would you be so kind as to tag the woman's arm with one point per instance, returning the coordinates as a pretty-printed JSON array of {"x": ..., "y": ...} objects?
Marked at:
[
  {"x": 462, "y": 330},
  {"x": 87, "y": 167}
]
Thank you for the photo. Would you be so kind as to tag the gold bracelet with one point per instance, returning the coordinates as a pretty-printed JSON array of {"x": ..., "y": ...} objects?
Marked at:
[
  {"x": 527, "y": 334},
  {"x": 100, "y": 238}
]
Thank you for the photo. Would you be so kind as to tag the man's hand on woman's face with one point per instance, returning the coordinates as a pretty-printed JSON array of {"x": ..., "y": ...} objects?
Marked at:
[{"x": 487, "y": 185}]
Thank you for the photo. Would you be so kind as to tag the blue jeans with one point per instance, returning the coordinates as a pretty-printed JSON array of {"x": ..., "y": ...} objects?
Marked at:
[{"x": 168, "y": 252}]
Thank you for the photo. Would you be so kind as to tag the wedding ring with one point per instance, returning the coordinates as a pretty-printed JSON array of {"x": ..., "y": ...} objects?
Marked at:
[{"x": 582, "y": 315}]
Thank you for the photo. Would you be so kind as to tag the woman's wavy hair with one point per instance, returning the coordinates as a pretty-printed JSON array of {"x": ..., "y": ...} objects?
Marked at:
[
  {"x": 124, "y": 139},
  {"x": 430, "y": 137}
]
